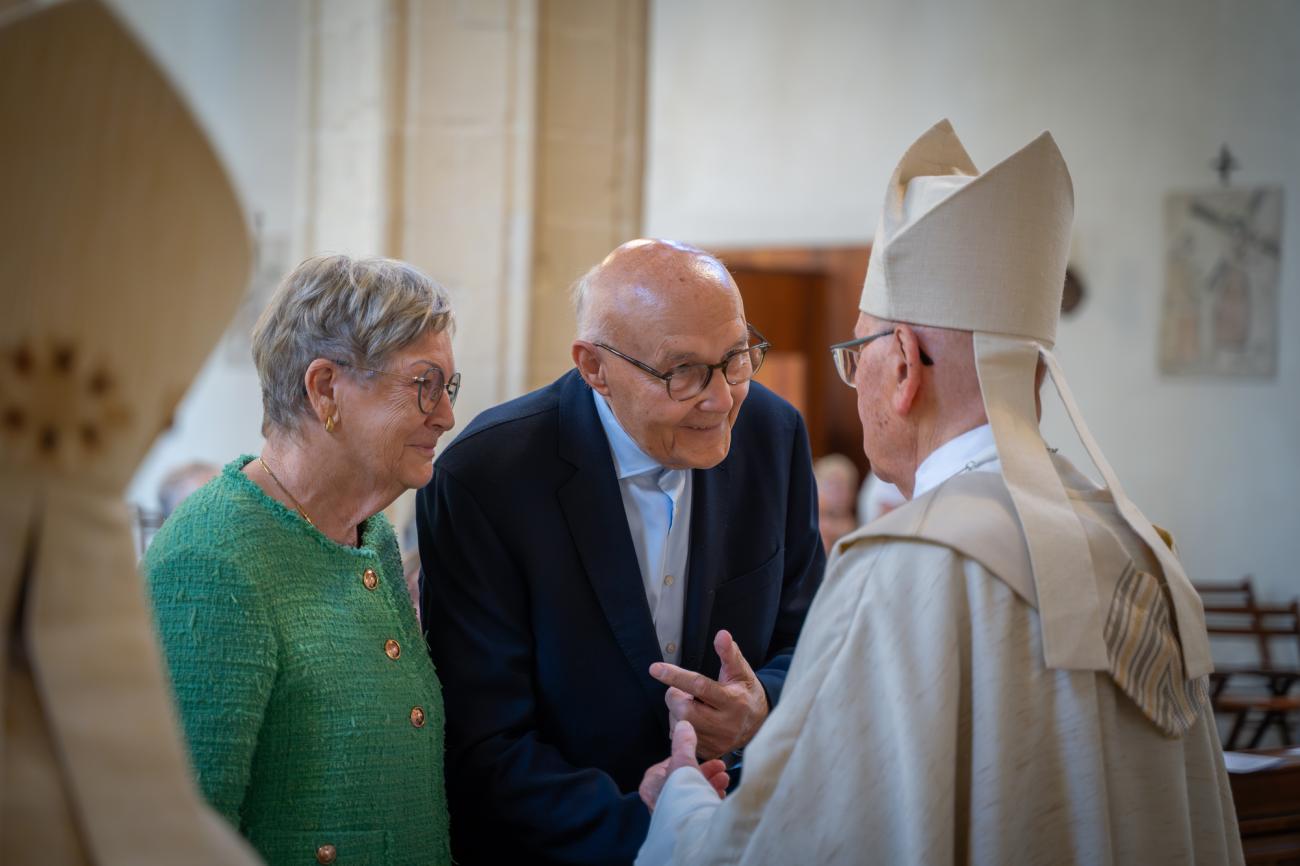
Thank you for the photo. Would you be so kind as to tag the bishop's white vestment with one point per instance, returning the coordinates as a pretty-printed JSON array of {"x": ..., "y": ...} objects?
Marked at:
[{"x": 919, "y": 723}]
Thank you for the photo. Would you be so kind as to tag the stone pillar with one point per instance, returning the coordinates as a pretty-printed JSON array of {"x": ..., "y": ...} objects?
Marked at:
[
  {"x": 350, "y": 100},
  {"x": 497, "y": 144},
  {"x": 465, "y": 213},
  {"x": 420, "y": 146},
  {"x": 590, "y": 144}
]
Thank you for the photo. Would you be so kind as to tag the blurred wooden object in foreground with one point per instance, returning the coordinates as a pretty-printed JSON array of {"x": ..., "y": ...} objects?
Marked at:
[{"x": 125, "y": 253}]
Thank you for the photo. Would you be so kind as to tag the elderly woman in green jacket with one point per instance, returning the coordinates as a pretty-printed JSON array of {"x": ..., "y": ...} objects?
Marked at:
[{"x": 313, "y": 714}]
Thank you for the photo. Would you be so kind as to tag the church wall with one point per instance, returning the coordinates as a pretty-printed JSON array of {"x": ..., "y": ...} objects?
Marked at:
[
  {"x": 237, "y": 63},
  {"x": 773, "y": 123},
  {"x": 497, "y": 145},
  {"x": 777, "y": 123}
]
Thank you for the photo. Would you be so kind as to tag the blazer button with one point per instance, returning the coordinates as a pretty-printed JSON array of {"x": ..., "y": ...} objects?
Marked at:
[
  {"x": 417, "y": 716},
  {"x": 326, "y": 854},
  {"x": 369, "y": 579},
  {"x": 392, "y": 648}
]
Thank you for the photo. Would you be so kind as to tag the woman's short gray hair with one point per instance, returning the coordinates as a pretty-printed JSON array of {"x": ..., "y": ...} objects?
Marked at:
[{"x": 354, "y": 310}]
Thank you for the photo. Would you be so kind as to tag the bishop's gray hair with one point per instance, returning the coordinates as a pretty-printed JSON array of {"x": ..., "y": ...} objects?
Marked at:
[{"x": 356, "y": 310}]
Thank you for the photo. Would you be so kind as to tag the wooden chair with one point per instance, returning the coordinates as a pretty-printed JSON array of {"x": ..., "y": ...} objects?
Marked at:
[{"x": 1263, "y": 687}]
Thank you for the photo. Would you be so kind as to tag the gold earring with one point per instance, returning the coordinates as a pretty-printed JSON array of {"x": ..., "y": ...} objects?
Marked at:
[{"x": 329, "y": 424}]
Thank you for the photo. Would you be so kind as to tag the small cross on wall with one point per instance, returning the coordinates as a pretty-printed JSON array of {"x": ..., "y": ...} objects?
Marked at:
[{"x": 1225, "y": 164}]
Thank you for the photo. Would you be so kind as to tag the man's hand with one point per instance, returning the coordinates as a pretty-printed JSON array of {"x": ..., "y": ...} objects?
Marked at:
[
  {"x": 725, "y": 713},
  {"x": 684, "y": 745}
]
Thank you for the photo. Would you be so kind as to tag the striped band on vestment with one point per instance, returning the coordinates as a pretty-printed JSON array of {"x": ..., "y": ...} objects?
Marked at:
[{"x": 1145, "y": 656}]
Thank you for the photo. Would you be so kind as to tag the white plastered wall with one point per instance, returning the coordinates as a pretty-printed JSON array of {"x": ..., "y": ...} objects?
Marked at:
[
  {"x": 779, "y": 123},
  {"x": 238, "y": 65}
]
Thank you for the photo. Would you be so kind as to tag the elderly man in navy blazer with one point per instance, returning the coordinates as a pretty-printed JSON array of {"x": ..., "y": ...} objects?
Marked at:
[{"x": 652, "y": 506}]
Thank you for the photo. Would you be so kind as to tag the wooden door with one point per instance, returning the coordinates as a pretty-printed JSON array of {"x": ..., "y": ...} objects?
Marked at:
[{"x": 803, "y": 299}]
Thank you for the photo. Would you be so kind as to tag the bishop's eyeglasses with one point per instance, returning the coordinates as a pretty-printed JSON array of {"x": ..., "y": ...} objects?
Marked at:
[
  {"x": 847, "y": 354},
  {"x": 430, "y": 384},
  {"x": 689, "y": 380}
]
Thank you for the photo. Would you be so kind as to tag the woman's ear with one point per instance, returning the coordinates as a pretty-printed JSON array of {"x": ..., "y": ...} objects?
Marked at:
[{"x": 320, "y": 381}]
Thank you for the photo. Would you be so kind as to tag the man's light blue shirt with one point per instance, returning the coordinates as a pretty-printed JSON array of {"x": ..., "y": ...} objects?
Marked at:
[{"x": 657, "y": 502}]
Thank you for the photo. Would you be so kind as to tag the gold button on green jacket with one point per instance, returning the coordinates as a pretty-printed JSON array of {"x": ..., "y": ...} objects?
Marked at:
[{"x": 308, "y": 730}]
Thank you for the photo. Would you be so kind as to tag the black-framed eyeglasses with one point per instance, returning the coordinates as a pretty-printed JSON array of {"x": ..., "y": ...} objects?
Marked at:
[
  {"x": 847, "y": 354},
  {"x": 689, "y": 380},
  {"x": 429, "y": 385}
]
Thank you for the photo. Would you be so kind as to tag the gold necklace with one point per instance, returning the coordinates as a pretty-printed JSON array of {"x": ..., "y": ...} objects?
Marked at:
[{"x": 285, "y": 491}]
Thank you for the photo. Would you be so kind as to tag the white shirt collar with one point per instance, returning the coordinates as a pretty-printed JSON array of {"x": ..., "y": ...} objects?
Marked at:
[
  {"x": 974, "y": 449},
  {"x": 629, "y": 459}
]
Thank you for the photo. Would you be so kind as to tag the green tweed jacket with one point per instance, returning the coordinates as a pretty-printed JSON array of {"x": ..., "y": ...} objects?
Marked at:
[{"x": 313, "y": 714}]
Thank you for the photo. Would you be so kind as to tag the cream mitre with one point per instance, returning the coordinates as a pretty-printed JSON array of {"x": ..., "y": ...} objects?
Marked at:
[{"x": 987, "y": 253}]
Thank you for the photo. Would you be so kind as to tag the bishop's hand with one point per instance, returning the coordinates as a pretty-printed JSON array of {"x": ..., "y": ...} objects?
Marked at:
[{"x": 684, "y": 746}]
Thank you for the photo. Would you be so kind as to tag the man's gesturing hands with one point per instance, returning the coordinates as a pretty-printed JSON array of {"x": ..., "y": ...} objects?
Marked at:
[{"x": 724, "y": 713}]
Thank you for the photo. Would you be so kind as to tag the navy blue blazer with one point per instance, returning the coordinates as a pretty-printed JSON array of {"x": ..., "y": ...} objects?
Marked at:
[{"x": 538, "y": 624}]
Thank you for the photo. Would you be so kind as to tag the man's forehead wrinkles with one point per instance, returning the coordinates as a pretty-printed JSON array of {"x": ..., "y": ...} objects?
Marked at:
[{"x": 666, "y": 353}]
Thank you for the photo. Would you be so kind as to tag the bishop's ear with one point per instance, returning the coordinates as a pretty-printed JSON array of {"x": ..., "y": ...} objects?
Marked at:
[
  {"x": 907, "y": 368},
  {"x": 586, "y": 357}
]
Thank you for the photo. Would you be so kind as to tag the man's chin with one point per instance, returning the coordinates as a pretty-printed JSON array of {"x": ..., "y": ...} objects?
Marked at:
[
  {"x": 883, "y": 473},
  {"x": 702, "y": 458}
]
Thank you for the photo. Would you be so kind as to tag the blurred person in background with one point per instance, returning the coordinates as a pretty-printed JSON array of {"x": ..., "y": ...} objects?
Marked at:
[
  {"x": 313, "y": 714},
  {"x": 179, "y": 483},
  {"x": 877, "y": 498},
  {"x": 837, "y": 486}
]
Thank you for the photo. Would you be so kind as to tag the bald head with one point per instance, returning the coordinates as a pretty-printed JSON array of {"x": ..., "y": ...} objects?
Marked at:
[{"x": 642, "y": 282}]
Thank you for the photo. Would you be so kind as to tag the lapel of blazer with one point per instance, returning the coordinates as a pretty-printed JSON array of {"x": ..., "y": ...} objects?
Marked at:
[
  {"x": 710, "y": 519},
  {"x": 593, "y": 506}
]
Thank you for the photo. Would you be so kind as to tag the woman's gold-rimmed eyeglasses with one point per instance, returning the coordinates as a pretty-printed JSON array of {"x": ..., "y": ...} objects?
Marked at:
[{"x": 429, "y": 385}]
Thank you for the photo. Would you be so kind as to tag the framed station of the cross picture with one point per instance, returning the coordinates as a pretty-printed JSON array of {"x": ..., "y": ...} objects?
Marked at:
[{"x": 1222, "y": 261}]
